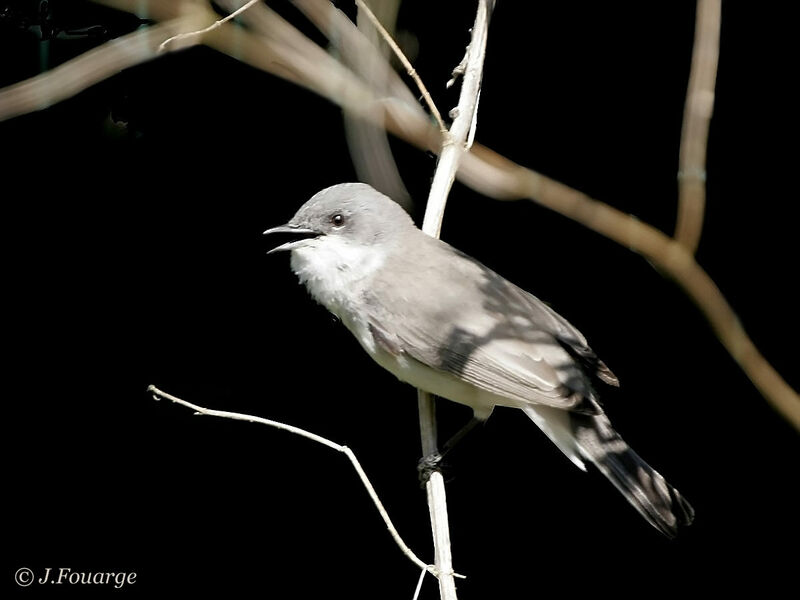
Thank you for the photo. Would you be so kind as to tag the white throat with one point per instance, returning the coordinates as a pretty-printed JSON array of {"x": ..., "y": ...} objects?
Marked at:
[{"x": 335, "y": 272}]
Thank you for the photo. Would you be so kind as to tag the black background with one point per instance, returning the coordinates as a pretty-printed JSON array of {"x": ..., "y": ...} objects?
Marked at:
[{"x": 134, "y": 256}]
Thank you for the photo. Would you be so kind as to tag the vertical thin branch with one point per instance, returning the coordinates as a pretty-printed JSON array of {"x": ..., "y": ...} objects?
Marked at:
[
  {"x": 454, "y": 145},
  {"x": 437, "y": 499},
  {"x": 696, "y": 120}
]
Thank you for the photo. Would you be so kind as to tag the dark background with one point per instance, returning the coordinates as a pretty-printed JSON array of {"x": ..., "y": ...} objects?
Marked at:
[{"x": 133, "y": 255}]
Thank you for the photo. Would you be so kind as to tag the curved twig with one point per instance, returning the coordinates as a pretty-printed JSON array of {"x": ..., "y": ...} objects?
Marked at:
[
  {"x": 511, "y": 180},
  {"x": 201, "y": 410},
  {"x": 412, "y": 72},
  {"x": 195, "y": 35}
]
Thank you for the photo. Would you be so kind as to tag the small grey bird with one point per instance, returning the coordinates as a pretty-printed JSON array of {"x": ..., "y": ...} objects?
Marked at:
[{"x": 445, "y": 323}]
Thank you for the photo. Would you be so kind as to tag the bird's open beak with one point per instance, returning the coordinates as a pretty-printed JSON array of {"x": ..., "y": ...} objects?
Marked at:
[{"x": 298, "y": 236}]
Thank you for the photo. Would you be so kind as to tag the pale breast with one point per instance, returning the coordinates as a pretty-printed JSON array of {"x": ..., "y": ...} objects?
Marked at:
[{"x": 334, "y": 272}]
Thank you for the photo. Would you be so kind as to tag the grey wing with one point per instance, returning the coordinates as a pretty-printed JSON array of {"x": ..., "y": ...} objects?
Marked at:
[
  {"x": 530, "y": 314},
  {"x": 473, "y": 324},
  {"x": 570, "y": 339},
  {"x": 522, "y": 371}
]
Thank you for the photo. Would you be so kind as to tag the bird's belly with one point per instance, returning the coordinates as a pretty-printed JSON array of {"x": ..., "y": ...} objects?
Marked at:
[
  {"x": 409, "y": 370},
  {"x": 439, "y": 383}
]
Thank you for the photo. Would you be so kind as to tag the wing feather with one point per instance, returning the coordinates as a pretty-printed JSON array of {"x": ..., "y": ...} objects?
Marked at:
[{"x": 475, "y": 325}]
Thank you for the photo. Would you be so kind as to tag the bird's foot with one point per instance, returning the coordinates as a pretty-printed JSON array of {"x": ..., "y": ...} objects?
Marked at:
[{"x": 428, "y": 465}]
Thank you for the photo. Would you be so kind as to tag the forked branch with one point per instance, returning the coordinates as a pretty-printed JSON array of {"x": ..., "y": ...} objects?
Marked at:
[{"x": 200, "y": 410}]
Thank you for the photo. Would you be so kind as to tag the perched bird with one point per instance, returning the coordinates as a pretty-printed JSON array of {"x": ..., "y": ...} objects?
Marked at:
[{"x": 443, "y": 322}]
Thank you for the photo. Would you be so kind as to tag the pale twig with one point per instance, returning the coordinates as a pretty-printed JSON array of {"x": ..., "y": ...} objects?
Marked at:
[
  {"x": 412, "y": 72},
  {"x": 696, "y": 120},
  {"x": 454, "y": 145},
  {"x": 419, "y": 585},
  {"x": 158, "y": 394},
  {"x": 212, "y": 27},
  {"x": 465, "y": 116},
  {"x": 351, "y": 43},
  {"x": 437, "y": 498}
]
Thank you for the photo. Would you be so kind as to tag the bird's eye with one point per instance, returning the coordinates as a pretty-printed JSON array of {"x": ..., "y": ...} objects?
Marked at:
[{"x": 337, "y": 220}]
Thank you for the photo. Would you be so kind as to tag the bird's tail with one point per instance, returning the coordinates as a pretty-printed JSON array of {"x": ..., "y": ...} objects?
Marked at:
[{"x": 649, "y": 493}]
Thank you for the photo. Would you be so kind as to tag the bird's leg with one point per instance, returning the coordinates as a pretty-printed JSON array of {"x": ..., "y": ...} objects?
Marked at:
[
  {"x": 430, "y": 463},
  {"x": 459, "y": 435}
]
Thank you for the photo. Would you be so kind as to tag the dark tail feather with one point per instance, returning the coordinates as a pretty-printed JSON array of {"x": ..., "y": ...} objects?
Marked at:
[{"x": 656, "y": 500}]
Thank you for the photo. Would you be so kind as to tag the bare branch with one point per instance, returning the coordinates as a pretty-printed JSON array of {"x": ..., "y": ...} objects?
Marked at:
[
  {"x": 350, "y": 40},
  {"x": 78, "y": 74},
  {"x": 454, "y": 145},
  {"x": 158, "y": 394},
  {"x": 696, "y": 121},
  {"x": 412, "y": 72},
  {"x": 465, "y": 115},
  {"x": 369, "y": 145},
  {"x": 361, "y": 49},
  {"x": 195, "y": 35},
  {"x": 419, "y": 585},
  {"x": 497, "y": 176},
  {"x": 437, "y": 498}
]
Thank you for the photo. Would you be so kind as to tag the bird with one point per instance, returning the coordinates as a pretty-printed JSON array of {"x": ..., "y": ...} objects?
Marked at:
[{"x": 443, "y": 322}]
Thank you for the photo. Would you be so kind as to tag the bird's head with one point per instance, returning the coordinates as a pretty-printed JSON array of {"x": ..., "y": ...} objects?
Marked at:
[{"x": 348, "y": 214}]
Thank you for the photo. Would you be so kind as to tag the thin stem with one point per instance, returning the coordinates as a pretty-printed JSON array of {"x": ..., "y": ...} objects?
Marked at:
[
  {"x": 419, "y": 585},
  {"x": 212, "y": 27},
  {"x": 455, "y": 142},
  {"x": 158, "y": 394},
  {"x": 412, "y": 72},
  {"x": 696, "y": 121}
]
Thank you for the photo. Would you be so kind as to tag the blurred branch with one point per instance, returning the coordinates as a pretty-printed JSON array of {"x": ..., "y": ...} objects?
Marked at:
[
  {"x": 412, "y": 72},
  {"x": 696, "y": 120},
  {"x": 352, "y": 43},
  {"x": 89, "y": 68},
  {"x": 200, "y": 410},
  {"x": 360, "y": 48},
  {"x": 508, "y": 179}
]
